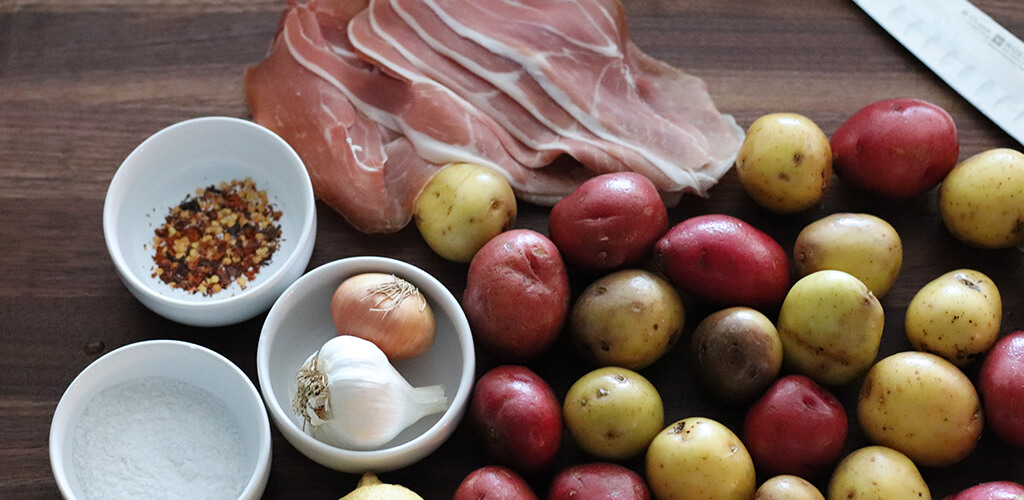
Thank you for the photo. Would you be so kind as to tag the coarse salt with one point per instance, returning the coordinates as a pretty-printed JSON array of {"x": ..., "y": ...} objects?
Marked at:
[{"x": 156, "y": 438}]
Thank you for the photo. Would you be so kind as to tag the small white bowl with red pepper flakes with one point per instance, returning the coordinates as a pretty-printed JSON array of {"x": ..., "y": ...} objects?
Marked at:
[{"x": 209, "y": 220}]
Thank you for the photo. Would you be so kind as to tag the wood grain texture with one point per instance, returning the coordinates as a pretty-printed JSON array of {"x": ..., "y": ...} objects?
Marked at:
[{"x": 83, "y": 82}]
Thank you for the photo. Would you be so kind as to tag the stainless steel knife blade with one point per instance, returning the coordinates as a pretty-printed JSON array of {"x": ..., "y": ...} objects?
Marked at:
[{"x": 976, "y": 56}]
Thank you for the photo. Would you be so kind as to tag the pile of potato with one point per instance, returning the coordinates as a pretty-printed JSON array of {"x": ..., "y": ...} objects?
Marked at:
[{"x": 917, "y": 408}]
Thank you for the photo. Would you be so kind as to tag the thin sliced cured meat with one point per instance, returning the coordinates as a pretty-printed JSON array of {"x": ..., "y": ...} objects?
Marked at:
[
  {"x": 344, "y": 151},
  {"x": 371, "y": 141},
  {"x": 572, "y": 65},
  {"x": 376, "y": 96}
]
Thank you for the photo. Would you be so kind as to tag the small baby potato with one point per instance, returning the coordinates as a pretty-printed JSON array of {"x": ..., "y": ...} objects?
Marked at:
[
  {"x": 494, "y": 482},
  {"x": 516, "y": 271},
  {"x": 921, "y": 405},
  {"x": 831, "y": 327},
  {"x": 737, "y": 353},
  {"x": 598, "y": 481},
  {"x": 982, "y": 199},
  {"x": 785, "y": 162},
  {"x": 877, "y": 473},
  {"x": 613, "y": 413},
  {"x": 462, "y": 207},
  {"x": 860, "y": 244},
  {"x": 517, "y": 418},
  {"x": 629, "y": 318},
  {"x": 610, "y": 221},
  {"x": 957, "y": 316},
  {"x": 699, "y": 458},
  {"x": 787, "y": 487}
]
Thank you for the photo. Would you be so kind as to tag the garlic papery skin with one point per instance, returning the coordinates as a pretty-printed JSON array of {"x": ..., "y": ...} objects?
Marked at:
[{"x": 350, "y": 396}]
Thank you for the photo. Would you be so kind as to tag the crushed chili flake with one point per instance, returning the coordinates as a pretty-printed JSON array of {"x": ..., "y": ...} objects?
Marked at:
[{"x": 221, "y": 235}]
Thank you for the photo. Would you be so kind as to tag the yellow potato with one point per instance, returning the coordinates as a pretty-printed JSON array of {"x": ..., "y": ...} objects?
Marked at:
[
  {"x": 613, "y": 413},
  {"x": 462, "y": 208},
  {"x": 957, "y": 316},
  {"x": 860, "y": 244},
  {"x": 877, "y": 473},
  {"x": 785, "y": 162},
  {"x": 831, "y": 326},
  {"x": 982, "y": 199},
  {"x": 788, "y": 487},
  {"x": 628, "y": 318},
  {"x": 921, "y": 405},
  {"x": 699, "y": 459}
]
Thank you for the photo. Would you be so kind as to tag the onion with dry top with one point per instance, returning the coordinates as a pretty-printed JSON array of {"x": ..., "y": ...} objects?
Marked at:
[{"x": 386, "y": 310}]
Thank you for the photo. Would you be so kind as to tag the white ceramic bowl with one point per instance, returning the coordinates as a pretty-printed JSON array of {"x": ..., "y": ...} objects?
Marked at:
[
  {"x": 172, "y": 164},
  {"x": 300, "y": 323},
  {"x": 177, "y": 360}
]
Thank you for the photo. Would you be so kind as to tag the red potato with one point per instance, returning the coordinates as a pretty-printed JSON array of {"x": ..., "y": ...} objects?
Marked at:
[
  {"x": 494, "y": 482},
  {"x": 1001, "y": 386},
  {"x": 598, "y": 481},
  {"x": 724, "y": 261},
  {"x": 517, "y": 417},
  {"x": 609, "y": 221},
  {"x": 994, "y": 490},
  {"x": 517, "y": 271},
  {"x": 896, "y": 148},
  {"x": 797, "y": 427}
]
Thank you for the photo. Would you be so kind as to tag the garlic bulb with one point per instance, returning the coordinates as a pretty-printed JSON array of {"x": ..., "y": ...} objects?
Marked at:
[{"x": 351, "y": 396}]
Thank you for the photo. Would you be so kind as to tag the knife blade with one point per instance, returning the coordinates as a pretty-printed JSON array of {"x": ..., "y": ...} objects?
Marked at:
[{"x": 976, "y": 56}]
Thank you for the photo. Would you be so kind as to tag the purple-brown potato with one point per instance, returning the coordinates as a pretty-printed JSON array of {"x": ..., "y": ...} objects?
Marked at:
[
  {"x": 797, "y": 427},
  {"x": 1001, "y": 386},
  {"x": 517, "y": 418},
  {"x": 515, "y": 272},
  {"x": 494, "y": 482},
  {"x": 598, "y": 481},
  {"x": 724, "y": 261},
  {"x": 896, "y": 148},
  {"x": 993, "y": 490},
  {"x": 609, "y": 221}
]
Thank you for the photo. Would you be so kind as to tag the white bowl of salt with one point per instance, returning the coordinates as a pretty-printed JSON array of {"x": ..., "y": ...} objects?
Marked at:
[{"x": 161, "y": 419}]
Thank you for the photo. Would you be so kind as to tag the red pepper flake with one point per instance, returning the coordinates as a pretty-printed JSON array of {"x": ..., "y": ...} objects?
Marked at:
[{"x": 221, "y": 235}]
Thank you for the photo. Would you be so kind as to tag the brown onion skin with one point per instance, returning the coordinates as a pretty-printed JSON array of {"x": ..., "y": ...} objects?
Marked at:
[{"x": 402, "y": 333}]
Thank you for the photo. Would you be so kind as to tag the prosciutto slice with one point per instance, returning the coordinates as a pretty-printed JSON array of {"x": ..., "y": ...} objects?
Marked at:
[{"x": 377, "y": 96}]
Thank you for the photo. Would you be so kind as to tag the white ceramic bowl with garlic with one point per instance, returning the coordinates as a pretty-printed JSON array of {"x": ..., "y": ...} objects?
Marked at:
[{"x": 300, "y": 324}]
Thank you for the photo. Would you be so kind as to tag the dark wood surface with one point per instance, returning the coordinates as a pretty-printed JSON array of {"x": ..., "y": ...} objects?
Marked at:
[{"x": 83, "y": 82}]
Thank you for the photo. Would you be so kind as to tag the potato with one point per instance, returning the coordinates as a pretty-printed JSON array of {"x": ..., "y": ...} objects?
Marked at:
[
  {"x": 982, "y": 199},
  {"x": 798, "y": 427},
  {"x": 613, "y": 413},
  {"x": 896, "y": 148},
  {"x": 697, "y": 459},
  {"x": 787, "y": 487},
  {"x": 831, "y": 327},
  {"x": 629, "y": 318},
  {"x": 957, "y": 316},
  {"x": 877, "y": 473},
  {"x": 517, "y": 418},
  {"x": 462, "y": 207},
  {"x": 785, "y": 162},
  {"x": 609, "y": 221},
  {"x": 518, "y": 270},
  {"x": 736, "y": 353},
  {"x": 921, "y": 405},
  {"x": 724, "y": 261},
  {"x": 598, "y": 481},
  {"x": 992, "y": 490},
  {"x": 1001, "y": 384},
  {"x": 494, "y": 482},
  {"x": 863, "y": 245}
]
